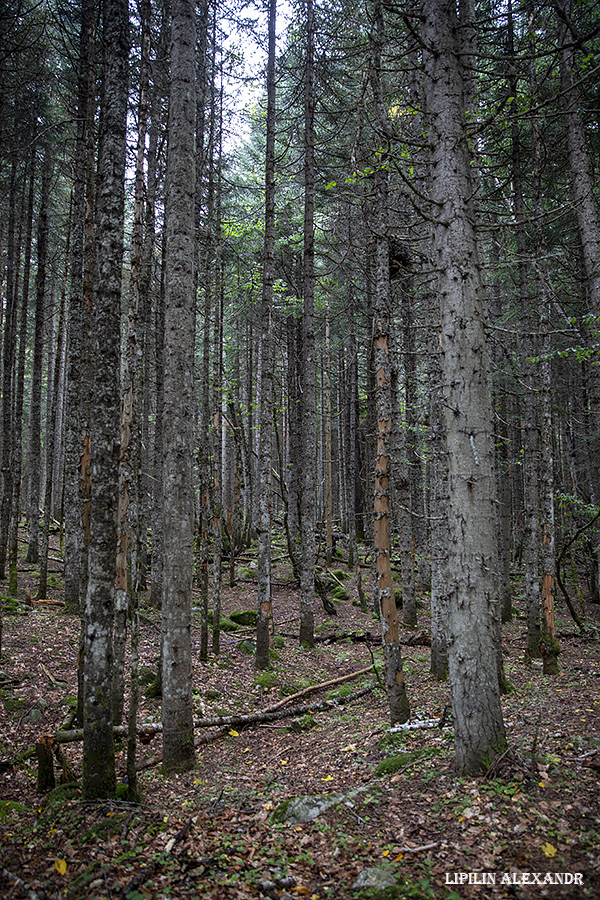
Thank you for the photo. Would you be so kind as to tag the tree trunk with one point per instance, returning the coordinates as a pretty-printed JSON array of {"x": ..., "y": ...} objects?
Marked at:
[
  {"x": 385, "y": 600},
  {"x": 308, "y": 407},
  {"x": 178, "y": 416},
  {"x": 264, "y": 488},
  {"x": 472, "y": 553},
  {"x": 17, "y": 465},
  {"x": 98, "y": 746},
  {"x": 35, "y": 408}
]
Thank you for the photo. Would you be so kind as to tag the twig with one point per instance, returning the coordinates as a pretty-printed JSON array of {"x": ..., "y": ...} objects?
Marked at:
[
  {"x": 31, "y": 894},
  {"x": 419, "y": 849}
]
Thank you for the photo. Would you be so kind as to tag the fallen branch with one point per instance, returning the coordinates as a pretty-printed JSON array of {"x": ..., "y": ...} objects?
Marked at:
[
  {"x": 318, "y": 687},
  {"x": 149, "y": 729},
  {"x": 419, "y": 849}
]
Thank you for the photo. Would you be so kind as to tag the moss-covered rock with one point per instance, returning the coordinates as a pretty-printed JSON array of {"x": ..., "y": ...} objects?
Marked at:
[
  {"x": 246, "y": 617},
  {"x": 394, "y": 763}
]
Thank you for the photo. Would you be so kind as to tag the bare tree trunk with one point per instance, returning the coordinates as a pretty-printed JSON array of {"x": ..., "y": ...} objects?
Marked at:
[
  {"x": 396, "y": 687},
  {"x": 308, "y": 513},
  {"x": 10, "y": 333},
  {"x": 264, "y": 488},
  {"x": 178, "y": 416},
  {"x": 51, "y": 417},
  {"x": 98, "y": 746},
  {"x": 127, "y": 564},
  {"x": 35, "y": 408},
  {"x": 17, "y": 464},
  {"x": 472, "y": 550}
]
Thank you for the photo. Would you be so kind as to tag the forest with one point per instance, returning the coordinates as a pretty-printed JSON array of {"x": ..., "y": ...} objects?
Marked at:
[{"x": 299, "y": 449}]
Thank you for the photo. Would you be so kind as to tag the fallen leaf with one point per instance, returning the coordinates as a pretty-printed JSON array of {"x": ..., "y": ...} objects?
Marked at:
[
  {"x": 233, "y": 733},
  {"x": 327, "y": 778},
  {"x": 548, "y": 850},
  {"x": 61, "y": 866}
]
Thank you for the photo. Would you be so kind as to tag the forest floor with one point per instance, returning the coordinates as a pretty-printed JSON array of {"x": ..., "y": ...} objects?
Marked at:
[{"x": 211, "y": 833}]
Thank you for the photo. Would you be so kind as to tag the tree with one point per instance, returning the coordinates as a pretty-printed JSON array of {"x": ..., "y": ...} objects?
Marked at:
[
  {"x": 264, "y": 490},
  {"x": 98, "y": 745},
  {"x": 308, "y": 397},
  {"x": 178, "y": 413},
  {"x": 472, "y": 547},
  {"x": 385, "y": 598}
]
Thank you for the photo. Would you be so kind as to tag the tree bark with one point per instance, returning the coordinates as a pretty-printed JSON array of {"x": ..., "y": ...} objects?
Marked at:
[
  {"x": 385, "y": 600},
  {"x": 264, "y": 488},
  {"x": 98, "y": 747},
  {"x": 472, "y": 553},
  {"x": 178, "y": 417},
  {"x": 308, "y": 511}
]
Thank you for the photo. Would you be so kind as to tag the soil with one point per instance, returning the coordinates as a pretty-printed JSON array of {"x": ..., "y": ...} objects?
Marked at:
[{"x": 211, "y": 833}]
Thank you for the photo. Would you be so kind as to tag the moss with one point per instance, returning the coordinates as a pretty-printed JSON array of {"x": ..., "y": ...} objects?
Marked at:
[
  {"x": 248, "y": 648},
  {"x": 246, "y": 617},
  {"x": 293, "y": 687},
  {"x": 14, "y": 704},
  {"x": 212, "y": 695},
  {"x": 9, "y": 806},
  {"x": 306, "y": 723},
  {"x": 265, "y": 680},
  {"x": 279, "y": 813},
  {"x": 394, "y": 763},
  {"x": 340, "y": 593},
  {"x": 341, "y": 575},
  {"x": 145, "y": 677},
  {"x": 343, "y": 691}
]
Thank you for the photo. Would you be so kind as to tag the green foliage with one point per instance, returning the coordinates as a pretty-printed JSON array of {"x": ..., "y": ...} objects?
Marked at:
[
  {"x": 248, "y": 648},
  {"x": 145, "y": 677}
]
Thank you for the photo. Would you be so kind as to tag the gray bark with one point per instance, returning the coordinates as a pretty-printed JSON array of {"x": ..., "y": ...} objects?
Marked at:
[
  {"x": 472, "y": 552},
  {"x": 98, "y": 746},
  {"x": 264, "y": 487},
  {"x": 178, "y": 416}
]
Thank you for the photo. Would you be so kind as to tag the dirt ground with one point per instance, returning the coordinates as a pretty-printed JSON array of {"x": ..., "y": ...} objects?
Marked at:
[{"x": 212, "y": 833}]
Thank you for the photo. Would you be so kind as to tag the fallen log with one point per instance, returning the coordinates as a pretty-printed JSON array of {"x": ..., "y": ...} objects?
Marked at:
[
  {"x": 269, "y": 715},
  {"x": 149, "y": 729}
]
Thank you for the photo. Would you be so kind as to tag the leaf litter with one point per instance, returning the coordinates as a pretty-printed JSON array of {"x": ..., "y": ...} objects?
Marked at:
[{"x": 211, "y": 833}]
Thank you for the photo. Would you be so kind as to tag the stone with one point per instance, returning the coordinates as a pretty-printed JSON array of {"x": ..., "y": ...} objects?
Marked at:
[{"x": 377, "y": 879}]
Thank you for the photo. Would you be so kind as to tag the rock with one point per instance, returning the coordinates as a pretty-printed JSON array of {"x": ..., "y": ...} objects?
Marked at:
[
  {"x": 303, "y": 809},
  {"x": 299, "y": 810},
  {"x": 376, "y": 879},
  {"x": 33, "y": 715}
]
